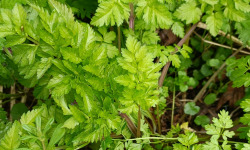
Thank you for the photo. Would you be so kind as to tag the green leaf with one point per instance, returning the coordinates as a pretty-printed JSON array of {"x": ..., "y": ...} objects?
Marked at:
[
  {"x": 234, "y": 14},
  {"x": 224, "y": 120},
  {"x": 78, "y": 114},
  {"x": 243, "y": 31},
  {"x": 30, "y": 116},
  {"x": 178, "y": 29},
  {"x": 63, "y": 104},
  {"x": 188, "y": 139},
  {"x": 14, "y": 40},
  {"x": 242, "y": 5},
  {"x": 183, "y": 87},
  {"x": 227, "y": 134},
  {"x": 57, "y": 135},
  {"x": 245, "y": 105},
  {"x": 108, "y": 37},
  {"x": 126, "y": 80},
  {"x": 188, "y": 12},
  {"x": 205, "y": 70},
  {"x": 202, "y": 120},
  {"x": 245, "y": 119},
  {"x": 191, "y": 109},
  {"x": 177, "y": 146},
  {"x": 71, "y": 123},
  {"x": 11, "y": 139},
  {"x": 214, "y": 23},
  {"x": 111, "y": 13},
  {"x": 17, "y": 110},
  {"x": 63, "y": 10},
  {"x": 154, "y": 13},
  {"x": 211, "y": 2},
  {"x": 43, "y": 66},
  {"x": 175, "y": 60},
  {"x": 112, "y": 51},
  {"x": 71, "y": 54},
  {"x": 150, "y": 37},
  {"x": 214, "y": 62},
  {"x": 19, "y": 17},
  {"x": 24, "y": 54},
  {"x": 210, "y": 98},
  {"x": 212, "y": 129}
]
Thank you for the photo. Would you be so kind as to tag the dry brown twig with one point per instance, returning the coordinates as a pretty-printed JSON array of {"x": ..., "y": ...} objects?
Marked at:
[
  {"x": 228, "y": 36},
  {"x": 203, "y": 90}
]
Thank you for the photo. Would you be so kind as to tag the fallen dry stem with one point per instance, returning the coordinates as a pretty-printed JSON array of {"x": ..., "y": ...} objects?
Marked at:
[{"x": 203, "y": 90}]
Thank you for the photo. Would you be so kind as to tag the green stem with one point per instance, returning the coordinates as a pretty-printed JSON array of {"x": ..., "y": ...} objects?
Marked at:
[
  {"x": 7, "y": 52},
  {"x": 147, "y": 138},
  {"x": 173, "y": 105},
  {"x": 1, "y": 90},
  {"x": 158, "y": 119},
  {"x": 44, "y": 148},
  {"x": 138, "y": 134},
  {"x": 232, "y": 142},
  {"x": 119, "y": 38},
  {"x": 32, "y": 40}
]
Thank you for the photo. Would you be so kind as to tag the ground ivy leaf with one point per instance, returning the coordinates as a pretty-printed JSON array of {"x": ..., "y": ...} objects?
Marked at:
[
  {"x": 191, "y": 109},
  {"x": 210, "y": 98},
  {"x": 202, "y": 120}
]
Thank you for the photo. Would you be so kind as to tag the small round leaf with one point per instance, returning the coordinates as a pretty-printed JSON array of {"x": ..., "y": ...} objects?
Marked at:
[
  {"x": 202, "y": 120},
  {"x": 210, "y": 98},
  {"x": 191, "y": 109}
]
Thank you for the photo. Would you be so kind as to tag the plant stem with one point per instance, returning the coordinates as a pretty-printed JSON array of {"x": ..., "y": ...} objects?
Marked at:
[
  {"x": 220, "y": 45},
  {"x": 12, "y": 102},
  {"x": 158, "y": 119},
  {"x": 148, "y": 138},
  {"x": 24, "y": 97},
  {"x": 182, "y": 41},
  {"x": 132, "y": 17},
  {"x": 130, "y": 123},
  {"x": 1, "y": 91},
  {"x": 32, "y": 40},
  {"x": 203, "y": 90},
  {"x": 44, "y": 147},
  {"x": 173, "y": 105},
  {"x": 138, "y": 134},
  {"x": 119, "y": 38},
  {"x": 228, "y": 36}
]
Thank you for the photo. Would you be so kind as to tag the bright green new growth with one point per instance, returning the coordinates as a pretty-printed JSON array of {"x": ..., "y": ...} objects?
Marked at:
[
  {"x": 81, "y": 68},
  {"x": 217, "y": 130}
]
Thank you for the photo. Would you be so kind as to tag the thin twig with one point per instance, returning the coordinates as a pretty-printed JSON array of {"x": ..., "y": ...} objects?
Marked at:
[
  {"x": 173, "y": 106},
  {"x": 32, "y": 40},
  {"x": 182, "y": 41},
  {"x": 235, "y": 110},
  {"x": 228, "y": 36},
  {"x": 132, "y": 17},
  {"x": 1, "y": 91},
  {"x": 220, "y": 45},
  {"x": 24, "y": 97},
  {"x": 203, "y": 90},
  {"x": 158, "y": 119},
  {"x": 130, "y": 124},
  {"x": 119, "y": 38},
  {"x": 13, "y": 102},
  {"x": 138, "y": 133}
]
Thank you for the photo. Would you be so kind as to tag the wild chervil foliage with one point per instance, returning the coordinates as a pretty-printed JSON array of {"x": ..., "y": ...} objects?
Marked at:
[{"x": 95, "y": 73}]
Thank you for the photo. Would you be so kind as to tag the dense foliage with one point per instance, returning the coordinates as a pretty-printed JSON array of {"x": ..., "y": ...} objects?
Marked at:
[{"x": 95, "y": 67}]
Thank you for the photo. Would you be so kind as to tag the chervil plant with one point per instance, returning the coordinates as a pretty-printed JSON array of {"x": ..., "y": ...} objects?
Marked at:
[{"x": 105, "y": 76}]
